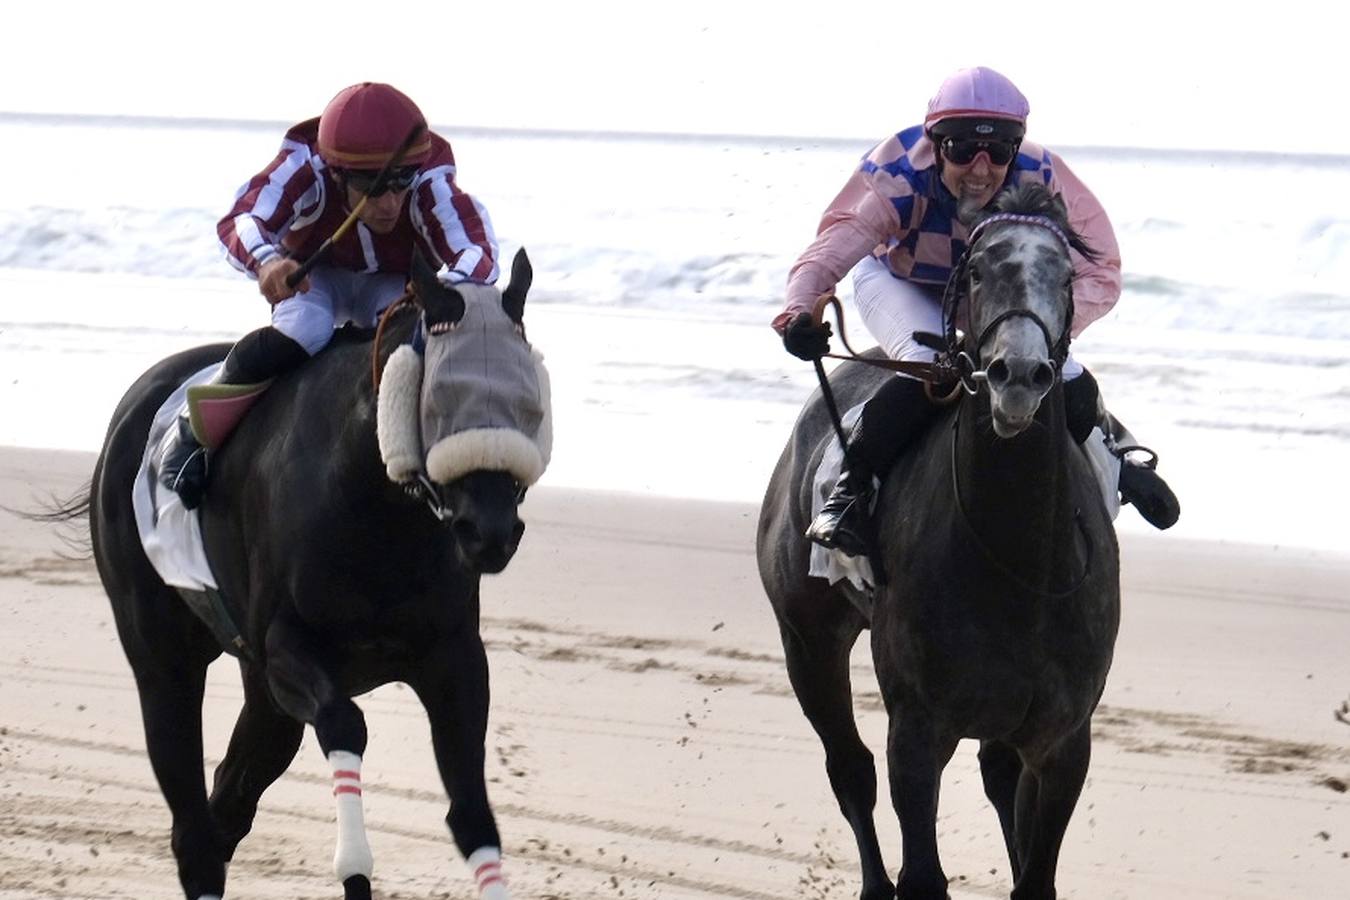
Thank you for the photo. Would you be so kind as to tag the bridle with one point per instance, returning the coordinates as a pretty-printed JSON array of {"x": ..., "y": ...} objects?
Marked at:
[{"x": 967, "y": 364}]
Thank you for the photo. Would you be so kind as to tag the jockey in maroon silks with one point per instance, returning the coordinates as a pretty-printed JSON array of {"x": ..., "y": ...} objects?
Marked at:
[
  {"x": 899, "y": 226},
  {"x": 326, "y": 168}
]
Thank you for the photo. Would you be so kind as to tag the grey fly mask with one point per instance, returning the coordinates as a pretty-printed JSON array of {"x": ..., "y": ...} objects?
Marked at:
[{"x": 484, "y": 395}]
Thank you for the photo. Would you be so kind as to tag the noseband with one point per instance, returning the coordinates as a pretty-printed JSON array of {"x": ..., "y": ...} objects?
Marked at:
[{"x": 968, "y": 364}]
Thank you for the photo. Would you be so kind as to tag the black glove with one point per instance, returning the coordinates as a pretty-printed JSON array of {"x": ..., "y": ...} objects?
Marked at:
[{"x": 805, "y": 339}]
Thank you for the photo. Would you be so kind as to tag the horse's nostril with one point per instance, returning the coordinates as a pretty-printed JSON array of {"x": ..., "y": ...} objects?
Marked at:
[
  {"x": 466, "y": 532},
  {"x": 1043, "y": 377},
  {"x": 998, "y": 372}
]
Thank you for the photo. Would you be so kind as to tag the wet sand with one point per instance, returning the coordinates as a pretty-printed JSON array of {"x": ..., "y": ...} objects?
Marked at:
[{"x": 644, "y": 742}]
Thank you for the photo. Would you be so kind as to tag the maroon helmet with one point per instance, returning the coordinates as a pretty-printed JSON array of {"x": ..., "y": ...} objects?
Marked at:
[{"x": 364, "y": 124}]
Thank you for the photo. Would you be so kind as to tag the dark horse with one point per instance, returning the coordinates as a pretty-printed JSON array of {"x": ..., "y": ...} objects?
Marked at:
[
  {"x": 999, "y": 614},
  {"x": 342, "y": 580}
]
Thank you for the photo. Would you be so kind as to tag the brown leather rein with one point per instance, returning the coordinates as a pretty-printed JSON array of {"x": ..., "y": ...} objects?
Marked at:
[
  {"x": 943, "y": 371},
  {"x": 408, "y": 299}
]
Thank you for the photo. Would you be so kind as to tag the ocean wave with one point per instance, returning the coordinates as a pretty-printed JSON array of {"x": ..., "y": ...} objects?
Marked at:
[{"x": 698, "y": 226}]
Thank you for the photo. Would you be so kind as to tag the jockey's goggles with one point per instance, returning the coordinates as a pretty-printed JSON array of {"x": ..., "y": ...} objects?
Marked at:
[
  {"x": 362, "y": 180},
  {"x": 962, "y": 151}
]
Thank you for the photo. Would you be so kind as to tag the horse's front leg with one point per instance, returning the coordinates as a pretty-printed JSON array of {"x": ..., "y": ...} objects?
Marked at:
[
  {"x": 915, "y": 757},
  {"x": 1001, "y": 769},
  {"x": 1046, "y": 797},
  {"x": 303, "y": 686},
  {"x": 263, "y": 744},
  {"x": 453, "y": 686}
]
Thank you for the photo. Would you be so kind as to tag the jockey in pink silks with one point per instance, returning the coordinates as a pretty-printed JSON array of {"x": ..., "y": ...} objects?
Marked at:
[{"x": 897, "y": 224}]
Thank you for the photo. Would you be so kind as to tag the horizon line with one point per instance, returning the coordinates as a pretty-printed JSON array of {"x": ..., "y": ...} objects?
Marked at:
[{"x": 209, "y": 122}]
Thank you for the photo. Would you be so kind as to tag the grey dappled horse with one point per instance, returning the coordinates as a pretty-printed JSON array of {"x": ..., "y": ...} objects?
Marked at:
[
  {"x": 344, "y": 581},
  {"x": 998, "y": 616}
]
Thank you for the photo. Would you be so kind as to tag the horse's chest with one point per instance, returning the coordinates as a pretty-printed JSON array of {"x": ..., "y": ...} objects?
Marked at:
[{"x": 985, "y": 677}]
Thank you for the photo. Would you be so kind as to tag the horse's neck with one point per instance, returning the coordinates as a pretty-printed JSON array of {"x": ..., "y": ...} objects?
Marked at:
[
  {"x": 1016, "y": 493},
  {"x": 339, "y": 399}
]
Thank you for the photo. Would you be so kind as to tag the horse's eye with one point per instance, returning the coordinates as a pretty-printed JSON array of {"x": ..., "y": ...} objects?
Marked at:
[{"x": 974, "y": 276}]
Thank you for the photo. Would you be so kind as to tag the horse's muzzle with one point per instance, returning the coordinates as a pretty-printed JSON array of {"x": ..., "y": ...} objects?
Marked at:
[
  {"x": 1017, "y": 384},
  {"x": 484, "y": 520},
  {"x": 487, "y": 546}
]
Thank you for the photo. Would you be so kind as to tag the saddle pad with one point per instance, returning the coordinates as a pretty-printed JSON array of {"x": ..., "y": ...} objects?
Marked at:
[
  {"x": 170, "y": 534},
  {"x": 834, "y": 565},
  {"x": 214, "y": 409}
]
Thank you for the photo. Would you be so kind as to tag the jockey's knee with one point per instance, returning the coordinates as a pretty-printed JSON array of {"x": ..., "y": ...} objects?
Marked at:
[
  {"x": 1082, "y": 401},
  {"x": 262, "y": 354},
  {"x": 308, "y": 324}
]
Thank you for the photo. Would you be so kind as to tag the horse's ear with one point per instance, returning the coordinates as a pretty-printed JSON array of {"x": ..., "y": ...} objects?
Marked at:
[
  {"x": 442, "y": 306},
  {"x": 513, "y": 298},
  {"x": 1061, "y": 209}
]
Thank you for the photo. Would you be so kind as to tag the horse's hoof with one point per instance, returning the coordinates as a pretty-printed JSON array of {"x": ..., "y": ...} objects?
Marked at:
[{"x": 356, "y": 887}]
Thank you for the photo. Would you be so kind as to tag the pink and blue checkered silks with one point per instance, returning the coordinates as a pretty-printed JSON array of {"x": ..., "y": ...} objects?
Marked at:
[{"x": 895, "y": 208}]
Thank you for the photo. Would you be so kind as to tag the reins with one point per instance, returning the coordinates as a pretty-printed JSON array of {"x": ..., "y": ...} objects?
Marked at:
[
  {"x": 940, "y": 371},
  {"x": 989, "y": 554},
  {"x": 375, "y": 368}
]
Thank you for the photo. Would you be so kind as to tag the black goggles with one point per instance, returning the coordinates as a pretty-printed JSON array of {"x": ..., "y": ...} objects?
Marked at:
[
  {"x": 962, "y": 151},
  {"x": 363, "y": 181}
]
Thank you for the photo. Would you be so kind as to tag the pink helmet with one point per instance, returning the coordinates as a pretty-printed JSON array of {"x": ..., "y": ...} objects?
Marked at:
[
  {"x": 982, "y": 95},
  {"x": 364, "y": 124}
]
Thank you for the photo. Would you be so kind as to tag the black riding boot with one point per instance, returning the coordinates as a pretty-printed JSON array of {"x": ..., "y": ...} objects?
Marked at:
[
  {"x": 1140, "y": 484},
  {"x": 892, "y": 418},
  {"x": 257, "y": 357}
]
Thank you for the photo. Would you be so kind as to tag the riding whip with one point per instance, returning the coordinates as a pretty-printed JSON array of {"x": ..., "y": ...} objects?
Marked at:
[{"x": 827, "y": 393}]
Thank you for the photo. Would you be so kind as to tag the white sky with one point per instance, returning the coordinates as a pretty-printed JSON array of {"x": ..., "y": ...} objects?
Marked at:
[{"x": 1237, "y": 75}]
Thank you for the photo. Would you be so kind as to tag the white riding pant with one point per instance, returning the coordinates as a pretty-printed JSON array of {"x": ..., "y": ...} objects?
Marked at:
[
  {"x": 336, "y": 297},
  {"x": 893, "y": 309}
]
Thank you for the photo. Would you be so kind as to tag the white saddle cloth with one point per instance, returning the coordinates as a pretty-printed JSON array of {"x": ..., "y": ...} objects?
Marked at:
[
  {"x": 170, "y": 534},
  {"x": 834, "y": 565}
]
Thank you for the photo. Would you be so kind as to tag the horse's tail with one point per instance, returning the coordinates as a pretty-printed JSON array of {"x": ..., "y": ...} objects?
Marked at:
[{"x": 57, "y": 511}]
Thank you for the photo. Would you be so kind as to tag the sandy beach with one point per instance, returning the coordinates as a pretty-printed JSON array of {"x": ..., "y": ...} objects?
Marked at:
[{"x": 644, "y": 742}]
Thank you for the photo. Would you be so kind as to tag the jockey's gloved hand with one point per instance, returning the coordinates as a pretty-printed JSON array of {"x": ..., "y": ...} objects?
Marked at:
[{"x": 807, "y": 339}]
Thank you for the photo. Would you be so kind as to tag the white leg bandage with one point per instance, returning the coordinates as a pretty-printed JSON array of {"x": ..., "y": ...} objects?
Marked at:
[
  {"x": 486, "y": 865},
  {"x": 352, "y": 856}
]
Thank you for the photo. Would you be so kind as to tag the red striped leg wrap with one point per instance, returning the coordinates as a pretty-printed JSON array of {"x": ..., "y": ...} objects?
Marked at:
[
  {"x": 486, "y": 865},
  {"x": 352, "y": 855}
]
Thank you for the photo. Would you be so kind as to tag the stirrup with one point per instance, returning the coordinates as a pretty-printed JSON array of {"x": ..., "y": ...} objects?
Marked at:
[
  {"x": 183, "y": 464},
  {"x": 842, "y": 525},
  {"x": 1143, "y": 488}
]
